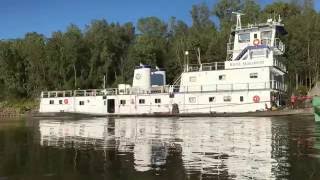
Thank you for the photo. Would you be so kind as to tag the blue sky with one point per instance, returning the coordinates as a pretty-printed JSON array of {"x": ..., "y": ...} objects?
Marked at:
[{"x": 45, "y": 16}]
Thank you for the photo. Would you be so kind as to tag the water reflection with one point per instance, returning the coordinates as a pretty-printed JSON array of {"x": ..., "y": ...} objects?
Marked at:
[{"x": 236, "y": 148}]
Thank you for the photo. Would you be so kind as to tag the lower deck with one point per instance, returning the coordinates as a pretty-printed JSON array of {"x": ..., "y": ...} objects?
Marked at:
[{"x": 165, "y": 103}]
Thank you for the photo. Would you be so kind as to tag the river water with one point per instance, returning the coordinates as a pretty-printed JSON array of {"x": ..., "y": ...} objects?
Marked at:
[{"x": 160, "y": 148}]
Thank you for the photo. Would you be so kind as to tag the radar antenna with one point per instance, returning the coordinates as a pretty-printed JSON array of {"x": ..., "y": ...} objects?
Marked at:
[{"x": 238, "y": 26}]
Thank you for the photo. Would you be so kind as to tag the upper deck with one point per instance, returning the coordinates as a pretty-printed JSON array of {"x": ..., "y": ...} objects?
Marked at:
[{"x": 256, "y": 36}]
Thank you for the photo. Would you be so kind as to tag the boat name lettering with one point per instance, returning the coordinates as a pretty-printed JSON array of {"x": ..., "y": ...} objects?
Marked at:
[{"x": 246, "y": 63}]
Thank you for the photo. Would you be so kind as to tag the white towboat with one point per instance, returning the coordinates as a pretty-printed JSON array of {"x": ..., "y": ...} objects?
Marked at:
[{"x": 250, "y": 80}]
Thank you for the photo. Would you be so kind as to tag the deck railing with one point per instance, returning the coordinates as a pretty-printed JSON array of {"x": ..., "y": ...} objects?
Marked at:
[
  {"x": 275, "y": 85},
  {"x": 206, "y": 67}
]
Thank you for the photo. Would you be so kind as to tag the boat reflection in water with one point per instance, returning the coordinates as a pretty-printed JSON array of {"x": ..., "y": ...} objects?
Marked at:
[{"x": 237, "y": 148}]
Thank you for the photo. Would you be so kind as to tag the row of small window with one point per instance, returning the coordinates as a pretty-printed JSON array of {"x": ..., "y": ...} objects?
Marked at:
[
  {"x": 52, "y": 102},
  {"x": 81, "y": 103},
  {"x": 213, "y": 99},
  {"x": 223, "y": 77},
  {"x": 141, "y": 101}
]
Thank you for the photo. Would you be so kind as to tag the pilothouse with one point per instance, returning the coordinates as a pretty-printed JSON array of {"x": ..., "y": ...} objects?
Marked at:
[{"x": 251, "y": 79}]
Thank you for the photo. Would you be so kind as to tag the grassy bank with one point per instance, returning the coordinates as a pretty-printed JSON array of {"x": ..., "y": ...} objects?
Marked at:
[{"x": 18, "y": 106}]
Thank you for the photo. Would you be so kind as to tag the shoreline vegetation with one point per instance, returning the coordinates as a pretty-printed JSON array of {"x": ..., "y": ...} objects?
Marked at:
[
  {"x": 17, "y": 107},
  {"x": 108, "y": 51}
]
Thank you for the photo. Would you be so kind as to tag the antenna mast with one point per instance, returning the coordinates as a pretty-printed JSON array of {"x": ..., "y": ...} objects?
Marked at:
[{"x": 238, "y": 26}]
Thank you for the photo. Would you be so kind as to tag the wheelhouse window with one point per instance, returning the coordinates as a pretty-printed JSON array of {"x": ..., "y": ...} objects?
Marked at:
[
  {"x": 243, "y": 38},
  {"x": 81, "y": 103},
  {"x": 122, "y": 102},
  {"x": 51, "y": 102},
  {"x": 192, "y": 99},
  {"x": 222, "y": 77},
  {"x": 142, "y": 101},
  {"x": 212, "y": 99},
  {"x": 241, "y": 98},
  {"x": 60, "y": 101},
  {"x": 266, "y": 37},
  {"x": 157, "y": 101},
  {"x": 253, "y": 75},
  {"x": 227, "y": 98}
]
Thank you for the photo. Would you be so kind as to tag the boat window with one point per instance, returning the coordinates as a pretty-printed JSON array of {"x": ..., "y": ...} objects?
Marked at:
[
  {"x": 51, "y": 102},
  {"x": 243, "y": 38},
  {"x": 81, "y": 103},
  {"x": 241, "y": 98},
  {"x": 122, "y": 102},
  {"x": 253, "y": 75},
  {"x": 45, "y": 95},
  {"x": 192, "y": 99},
  {"x": 192, "y": 79},
  {"x": 60, "y": 94},
  {"x": 60, "y": 101},
  {"x": 141, "y": 101},
  {"x": 68, "y": 94},
  {"x": 157, "y": 101},
  {"x": 227, "y": 98},
  {"x": 212, "y": 99},
  {"x": 222, "y": 77},
  {"x": 255, "y": 36},
  {"x": 52, "y": 94},
  {"x": 266, "y": 35}
]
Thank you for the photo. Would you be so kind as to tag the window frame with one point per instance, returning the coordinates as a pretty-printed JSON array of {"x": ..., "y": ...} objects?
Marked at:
[
  {"x": 253, "y": 75},
  {"x": 222, "y": 77},
  {"x": 227, "y": 98},
  {"x": 157, "y": 100},
  {"x": 142, "y": 101},
  {"x": 244, "y": 40},
  {"x": 122, "y": 102},
  {"x": 192, "y": 99},
  {"x": 212, "y": 99}
]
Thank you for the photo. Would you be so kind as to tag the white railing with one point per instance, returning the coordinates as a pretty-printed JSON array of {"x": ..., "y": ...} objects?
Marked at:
[
  {"x": 276, "y": 85},
  {"x": 279, "y": 64},
  {"x": 206, "y": 67},
  {"x": 79, "y": 93},
  {"x": 278, "y": 44},
  {"x": 231, "y": 87}
]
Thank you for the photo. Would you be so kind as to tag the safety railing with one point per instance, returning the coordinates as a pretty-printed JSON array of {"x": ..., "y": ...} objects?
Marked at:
[
  {"x": 79, "y": 93},
  {"x": 206, "y": 67},
  {"x": 276, "y": 85},
  {"x": 279, "y": 64},
  {"x": 279, "y": 45}
]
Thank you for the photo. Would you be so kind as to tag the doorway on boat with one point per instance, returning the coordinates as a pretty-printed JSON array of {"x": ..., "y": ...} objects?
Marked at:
[{"x": 110, "y": 105}]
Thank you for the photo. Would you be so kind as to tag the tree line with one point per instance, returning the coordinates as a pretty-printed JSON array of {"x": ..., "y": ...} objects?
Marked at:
[{"x": 83, "y": 58}]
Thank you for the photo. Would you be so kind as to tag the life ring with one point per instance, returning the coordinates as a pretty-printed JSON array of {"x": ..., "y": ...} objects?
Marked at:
[
  {"x": 65, "y": 101},
  {"x": 256, "y": 99},
  {"x": 256, "y": 42}
]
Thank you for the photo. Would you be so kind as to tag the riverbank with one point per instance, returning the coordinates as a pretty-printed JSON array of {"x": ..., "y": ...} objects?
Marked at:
[{"x": 17, "y": 107}]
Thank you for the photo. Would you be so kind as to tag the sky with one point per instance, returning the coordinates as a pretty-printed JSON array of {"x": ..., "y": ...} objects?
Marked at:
[{"x": 18, "y": 17}]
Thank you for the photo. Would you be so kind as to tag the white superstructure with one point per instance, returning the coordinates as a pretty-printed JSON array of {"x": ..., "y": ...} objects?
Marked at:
[{"x": 251, "y": 79}]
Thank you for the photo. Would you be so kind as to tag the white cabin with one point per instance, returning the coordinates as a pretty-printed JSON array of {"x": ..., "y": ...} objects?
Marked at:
[{"x": 251, "y": 79}]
